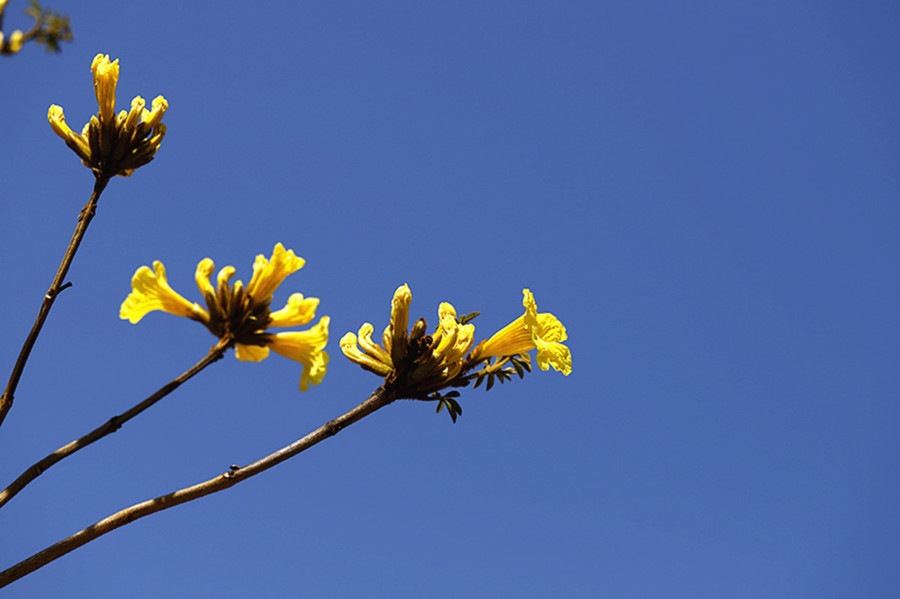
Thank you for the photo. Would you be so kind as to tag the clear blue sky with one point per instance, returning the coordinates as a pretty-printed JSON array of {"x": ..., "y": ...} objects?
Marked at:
[{"x": 705, "y": 193}]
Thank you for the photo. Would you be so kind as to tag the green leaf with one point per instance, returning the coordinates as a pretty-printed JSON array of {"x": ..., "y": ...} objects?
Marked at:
[
  {"x": 33, "y": 10},
  {"x": 467, "y": 318},
  {"x": 520, "y": 370}
]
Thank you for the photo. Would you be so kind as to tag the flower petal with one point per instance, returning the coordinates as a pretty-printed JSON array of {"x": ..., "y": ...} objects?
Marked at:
[
  {"x": 556, "y": 355},
  {"x": 250, "y": 353}
]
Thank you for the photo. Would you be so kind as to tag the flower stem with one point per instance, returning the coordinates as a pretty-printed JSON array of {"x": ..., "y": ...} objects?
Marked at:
[
  {"x": 84, "y": 219},
  {"x": 111, "y": 425},
  {"x": 380, "y": 398}
]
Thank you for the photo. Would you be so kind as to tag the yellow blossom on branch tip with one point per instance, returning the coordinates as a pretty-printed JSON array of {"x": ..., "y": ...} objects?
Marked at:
[
  {"x": 417, "y": 363},
  {"x": 543, "y": 332},
  {"x": 114, "y": 144},
  {"x": 238, "y": 316}
]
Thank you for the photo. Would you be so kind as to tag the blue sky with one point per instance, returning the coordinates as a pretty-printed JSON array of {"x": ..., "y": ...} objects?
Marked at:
[{"x": 704, "y": 193}]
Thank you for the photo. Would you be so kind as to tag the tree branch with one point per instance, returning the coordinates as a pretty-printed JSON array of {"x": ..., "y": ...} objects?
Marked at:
[
  {"x": 111, "y": 425},
  {"x": 380, "y": 398},
  {"x": 84, "y": 219}
]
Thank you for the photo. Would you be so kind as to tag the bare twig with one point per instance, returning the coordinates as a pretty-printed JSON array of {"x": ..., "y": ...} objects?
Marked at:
[
  {"x": 110, "y": 426},
  {"x": 380, "y": 398},
  {"x": 84, "y": 219}
]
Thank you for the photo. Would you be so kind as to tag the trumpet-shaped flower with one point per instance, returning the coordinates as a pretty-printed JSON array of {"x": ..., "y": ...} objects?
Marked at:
[
  {"x": 368, "y": 354},
  {"x": 237, "y": 315},
  {"x": 543, "y": 332},
  {"x": 306, "y": 347},
  {"x": 453, "y": 340},
  {"x": 112, "y": 144},
  {"x": 371, "y": 357},
  {"x": 151, "y": 291},
  {"x": 268, "y": 274}
]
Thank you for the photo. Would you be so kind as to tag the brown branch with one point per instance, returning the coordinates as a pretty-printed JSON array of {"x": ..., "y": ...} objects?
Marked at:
[
  {"x": 380, "y": 398},
  {"x": 84, "y": 219},
  {"x": 111, "y": 425}
]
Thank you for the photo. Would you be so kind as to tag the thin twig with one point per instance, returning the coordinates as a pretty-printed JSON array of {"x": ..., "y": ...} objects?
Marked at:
[
  {"x": 84, "y": 219},
  {"x": 110, "y": 426},
  {"x": 377, "y": 400}
]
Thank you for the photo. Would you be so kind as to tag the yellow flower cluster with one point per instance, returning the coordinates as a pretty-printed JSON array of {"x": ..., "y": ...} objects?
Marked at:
[
  {"x": 112, "y": 144},
  {"x": 417, "y": 364},
  {"x": 421, "y": 364},
  {"x": 13, "y": 44},
  {"x": 241, "y": 314}
]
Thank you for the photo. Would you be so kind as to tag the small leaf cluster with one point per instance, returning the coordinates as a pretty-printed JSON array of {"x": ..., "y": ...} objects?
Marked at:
[
  {"x": 493, "y": 370},
  {"x": 50, "y": 27},
  {"x": 520, "y": 365},
  {"x": 448, "y": 400}
]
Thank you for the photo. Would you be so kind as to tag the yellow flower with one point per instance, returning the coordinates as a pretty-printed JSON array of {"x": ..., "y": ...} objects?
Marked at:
[
  {"x": 268, "y": 274},
  {"x": 374, "y": 358},
  {"x": 151, "y": 291},
  {"x": 15, "y": 41},
  {"x": 452, "y": 341},
  {"x": 112, "y": 144},
  {"x": 394, "y": 337},
  {"x": 306, "y": 347},
  {"x": 369, "y": 354},
  {"x": 234, "y": 313},
  {"x": 543, "y": 332},
  {"x": 298, "y": 310},
  {"x": 106, "y": 77}
]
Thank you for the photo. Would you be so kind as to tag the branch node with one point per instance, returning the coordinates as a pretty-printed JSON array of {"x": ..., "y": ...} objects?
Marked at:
[
  {"x": 113, "y": 424},
  {"x": 52, "y": 293}
]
